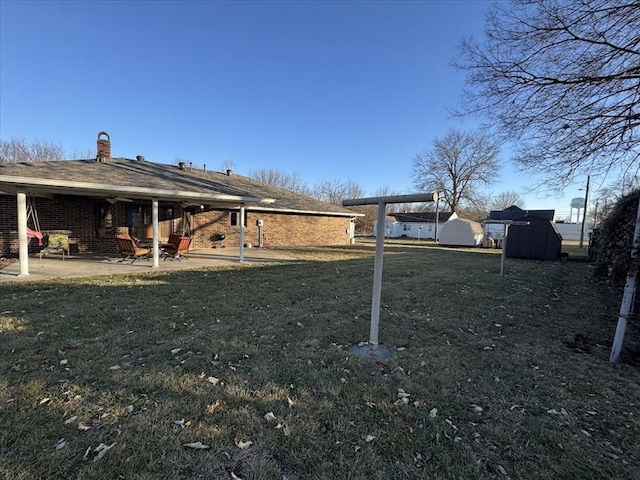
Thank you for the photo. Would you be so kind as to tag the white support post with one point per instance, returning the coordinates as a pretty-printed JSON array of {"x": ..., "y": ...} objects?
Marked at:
[
  {"x": 241, "y": 219},
  {"x": 156, "y": 243},
  {"x": 377, "y": 275},
  {"x": 23, "y": 241},
  {"x": 629, "y": 293}
]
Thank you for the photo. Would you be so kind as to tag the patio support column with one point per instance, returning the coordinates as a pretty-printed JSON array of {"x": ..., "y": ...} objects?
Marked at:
[
  {"x": 242, "y": 233},
  {"x": 156, "y": 243},
  {"x": 23, "y": 241}
]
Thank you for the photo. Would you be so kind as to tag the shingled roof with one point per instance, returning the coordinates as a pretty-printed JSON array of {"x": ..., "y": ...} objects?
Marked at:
[
  {"x": 516, "y": 213},
  {"x": 141, "y": 179}
]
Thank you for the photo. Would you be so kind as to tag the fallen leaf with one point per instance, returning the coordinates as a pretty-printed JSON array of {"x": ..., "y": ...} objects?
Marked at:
[
  {"x": 214, "y": 406},
  {"x": 180, "y": 422},
  {"x": 172, "y": 325},
  {"x": 433, "y": 413},
  {"x": 70, "y": 420},
  {"x": 44, "y": 400},
  {"x": 369, "y": 438},
  {"x": 101, "y": 450},
  {"x": 129, "y": 408},
  {"x": 175, "y": 350},
  {"x": 285, "y": 428},
  {"x": 290, "y": 402},
  {"x": 235, "y": 477},
  {"x": 244, "y": 445},
  {"x": 213, "y": 380},
  {"x": 196, "y": 445},
  {"x": 553, "y": 411},
  {"x": 83, "y": 427},
  {"x": 64, "y": 361},
  {"x": 476, "y": 408},
  {"x": 270, "y": 417},
  {"x": 115, "y": 367}
]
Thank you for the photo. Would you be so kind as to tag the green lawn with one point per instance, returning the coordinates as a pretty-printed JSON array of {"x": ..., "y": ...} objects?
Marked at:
[{"x": 491, "y": 376}]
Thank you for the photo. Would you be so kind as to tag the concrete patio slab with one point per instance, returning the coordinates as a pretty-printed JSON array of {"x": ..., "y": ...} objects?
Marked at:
[{"x": 88, "y": 265}]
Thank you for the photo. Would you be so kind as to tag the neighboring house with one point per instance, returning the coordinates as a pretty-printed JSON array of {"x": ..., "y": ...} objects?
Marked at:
[
  {"x": 494, "y": 224},
  {"x": 96, "y": 199},
  {"x": 539, "y": 240},
  {"x": 461, "y": 232},
  {"x": 420, "y": 225}
]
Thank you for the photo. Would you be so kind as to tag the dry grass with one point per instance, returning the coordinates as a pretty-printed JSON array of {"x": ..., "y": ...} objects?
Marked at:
[{"x": 516, "y": 367}]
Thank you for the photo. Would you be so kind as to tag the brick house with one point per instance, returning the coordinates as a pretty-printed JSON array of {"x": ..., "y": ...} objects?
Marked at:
[{"x": 96, "y": 199}]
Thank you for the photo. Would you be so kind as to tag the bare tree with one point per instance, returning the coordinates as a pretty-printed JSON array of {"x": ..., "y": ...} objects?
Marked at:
[
  {"x": 17, "y": 150},
  {"x": 562, "y": 80},
  {"x": 292, "y": 182},
  {"x": 505, "y": 200},
  {"x": 228, "y": 164},
  {"x": 335, "y": 191},
  {"x": 456, "y": 165}
]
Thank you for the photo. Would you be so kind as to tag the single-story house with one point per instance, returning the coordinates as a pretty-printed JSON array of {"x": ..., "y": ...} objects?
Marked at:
[
  {"x": 420, "y": 225},
  {"x": 461, "y": 232},
  {"x": 96, "y": 199},
  {"x": 538, "y": 240}
]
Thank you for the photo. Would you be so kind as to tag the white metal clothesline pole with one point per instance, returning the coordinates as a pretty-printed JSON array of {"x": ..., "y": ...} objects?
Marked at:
[{"x": 377, "y": 268}]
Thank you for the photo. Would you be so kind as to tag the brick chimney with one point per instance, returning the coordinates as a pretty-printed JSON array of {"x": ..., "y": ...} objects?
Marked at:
[{"x": 104, "y": 148}]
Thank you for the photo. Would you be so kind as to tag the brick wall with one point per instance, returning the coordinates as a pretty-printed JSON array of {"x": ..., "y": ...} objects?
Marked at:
[{"x": 78, "y": 215}]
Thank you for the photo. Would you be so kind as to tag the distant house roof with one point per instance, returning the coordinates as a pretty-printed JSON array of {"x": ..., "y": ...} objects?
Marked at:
[
  {"x": 420, "y": 217},
  {"x": 516, "y": 213},
  {"x": 141, "y": 179}
]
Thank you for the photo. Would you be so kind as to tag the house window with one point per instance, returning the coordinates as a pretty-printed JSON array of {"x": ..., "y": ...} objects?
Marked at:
[
  {"x": 140, "y": 223},
  {"x": 234, "y": 219},
  {"x": 104, "y": 220},
  {"x": 406, "y": 227}
]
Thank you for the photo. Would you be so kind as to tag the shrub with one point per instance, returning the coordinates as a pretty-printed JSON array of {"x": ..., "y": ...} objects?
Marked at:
[{"x": 612, "y": 241}]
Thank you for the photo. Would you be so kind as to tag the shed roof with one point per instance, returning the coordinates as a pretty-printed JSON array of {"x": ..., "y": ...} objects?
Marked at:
[
  {"x": 420, "y": 217},
  {"x": 516, "y": 213}
]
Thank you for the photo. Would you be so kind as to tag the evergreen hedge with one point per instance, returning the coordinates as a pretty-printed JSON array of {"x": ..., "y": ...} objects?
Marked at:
[{"x": 611, "y": 243}]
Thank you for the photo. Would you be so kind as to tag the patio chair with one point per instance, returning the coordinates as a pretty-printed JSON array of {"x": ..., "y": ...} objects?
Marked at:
[
  {"x": 128, "y": 248},
  {"x": 177, "y": 248}
]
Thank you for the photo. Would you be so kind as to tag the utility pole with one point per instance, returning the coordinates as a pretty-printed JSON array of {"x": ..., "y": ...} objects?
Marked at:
[{"x": 584, "y": 211}]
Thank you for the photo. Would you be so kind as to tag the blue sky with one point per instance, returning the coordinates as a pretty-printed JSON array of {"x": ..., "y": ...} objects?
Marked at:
[{"x": 329, "y": 90}]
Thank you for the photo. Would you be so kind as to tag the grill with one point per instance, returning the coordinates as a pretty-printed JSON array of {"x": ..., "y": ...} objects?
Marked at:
[{"x": 218, "y": 239}]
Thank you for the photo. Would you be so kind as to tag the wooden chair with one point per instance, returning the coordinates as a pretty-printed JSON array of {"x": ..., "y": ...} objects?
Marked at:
[
  {"x": 178, "y": 247},
  {"x": 128, "y": 248}
]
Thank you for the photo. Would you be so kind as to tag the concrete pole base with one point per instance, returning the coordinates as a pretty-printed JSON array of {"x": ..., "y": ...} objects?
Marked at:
[{"x": 371, "y": 352}]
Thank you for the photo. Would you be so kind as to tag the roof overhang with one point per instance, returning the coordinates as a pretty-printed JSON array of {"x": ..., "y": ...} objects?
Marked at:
[{"x": 39, "y": 186}]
